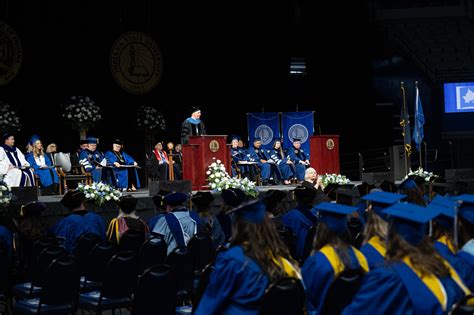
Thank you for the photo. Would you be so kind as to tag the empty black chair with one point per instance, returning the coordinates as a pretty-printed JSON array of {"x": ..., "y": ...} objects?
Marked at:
[
  {"x": 461, "y": 307},
  {"x": 181, "y": 265},
  {"x": 85, "y": 243},
  {"x": 120, "y": 279},
  {"x": 342, "y": 291},
  {"x": 97, "y": 262},
  {"x": 153, "y": 252},
  {"x": 60, "y": 289},
  {"x": 285, "y": 296},
  {"x": 156, "y": 292},
  {"x": 205, "y": 276},
  {"x": 132, "y": 240},
  {"x": 201, "y": 250}
]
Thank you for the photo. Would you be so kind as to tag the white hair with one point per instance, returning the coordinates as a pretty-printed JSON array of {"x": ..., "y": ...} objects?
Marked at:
[{"x": 306, "y": 173}]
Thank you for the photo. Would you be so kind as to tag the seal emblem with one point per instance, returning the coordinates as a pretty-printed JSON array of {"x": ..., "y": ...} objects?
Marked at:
[
  {"x": 265, "y": 133},
  {"x": 136, "y": 62},
  {"x": 298, "y": 131},
  {"x": 214, "y": 146},
  {"x": 11, "y": 53},
  {"x": 330, "y": 144}
]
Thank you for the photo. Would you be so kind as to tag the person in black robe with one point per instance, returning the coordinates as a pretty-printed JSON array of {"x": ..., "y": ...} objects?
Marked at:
[{"x": 192, "y": 126}]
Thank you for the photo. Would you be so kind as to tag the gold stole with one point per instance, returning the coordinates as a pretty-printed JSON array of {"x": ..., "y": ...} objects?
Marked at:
[
  {"x": 378, "y": 245},
  {"x": 337, "y": 264}
]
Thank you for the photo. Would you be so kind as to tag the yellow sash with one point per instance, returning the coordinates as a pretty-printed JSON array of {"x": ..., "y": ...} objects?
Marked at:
[
  {"x": 289, "y": 269},
  {"x": 336, "y": 262},
  {"x": 455, "y": 276},
  {"x": 378, "y": 245},
  {"x": 444, "y": 240},
  {"x": 113, "y": 226}
]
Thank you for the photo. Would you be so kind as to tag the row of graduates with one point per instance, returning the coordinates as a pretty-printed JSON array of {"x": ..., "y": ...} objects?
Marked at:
[{"x": 275, "y": 164}]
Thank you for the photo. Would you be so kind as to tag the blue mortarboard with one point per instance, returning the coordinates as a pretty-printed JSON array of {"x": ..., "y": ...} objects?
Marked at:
[
  {"x": 410, "y": 221},
  {"x": 408, "y": 184},
  {"x": 445, "y": 216},
  {"x": 233, "y": 196},
  {"x": 34, "y": 139},
  {"x": 175, "y": 199},
  {"x": 92, "y": 140},
  {"x": 234, "y": 137},
  {"x": 252, "y": 211},
  {"x": 334, "y": 215},
  {"x": 296, "y": 139},
  {"x": 381, "y": 200},
  {"x": 466, "y": 209},
  {"x": 277, "y": 139},
  {"x": 257, "y": 139}
]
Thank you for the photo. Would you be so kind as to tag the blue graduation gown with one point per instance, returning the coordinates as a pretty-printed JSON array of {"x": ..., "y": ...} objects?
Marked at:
[
  {"x": 266, "y": 169},
  {"x": 286, "y": 170},
  {"x": 318, "y": 276},
  {"x": 153, "y": 220},
  {"x": 89, "y": 160},
  {"x": 75, "y": 225},
  {"x": 236, "y": 285},
  {"x": 296, "y": 156},
  {"x": 300, "y": 225},
  {"x": 47, "y": 176},
  {"x": 374, "y": 257},
  {"x": 462, "y": 267},
  {"x": 121, "y": 174},
  {"x": 238, "y": 155},
  {"x": 396, "y": 289},
  {"x": 6, "y": 238}
]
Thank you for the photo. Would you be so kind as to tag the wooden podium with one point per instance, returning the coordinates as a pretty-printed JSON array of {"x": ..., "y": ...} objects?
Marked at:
[
  {"x": 324, "y": 154},
  {"x": 198, "y": 155}
]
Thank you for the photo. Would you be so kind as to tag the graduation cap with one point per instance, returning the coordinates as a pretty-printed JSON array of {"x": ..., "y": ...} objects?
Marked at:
[
  {"x": 233, "y": 196},
  {"x": 419, "y": 181},
  {"x": 447, "y": 210},
  {"x": 234, "y": 137},
  {"x": 334, "y": 215},
  {"x": 175, "y": 199},
  {"x": 257, "y": 139},
  {"x": 118, "y": 141},
  {"x": 305, "y": 193},
  {"x": 410, "y": 221},
  {"x": 82, "y": 141},
  {"x": 33, "y": 139},
  {"x": 330, "y": 189},
  {"x": 466, "y": 207},
  {"x": 202, "y": 199},
  {"x": 381, "y": 200},
  {"x": 7, "y": 135},
  {"x": 92, "y": 140},
  {"x": 407, "y": 184},
  {"x": 272, "y": 198},
  {"x": 128, "y": 204},
  {"x": 347, "y": 196},
  {"x": 73, "y": 199},
  {"x": 388, "y": 186},
  {"x": 195, "y": 109},
  {"x": 158, "y": 198},
  {"x": 252, "y": 211},
  {"x": 32, "y": 209},
  {"x": 365, "y": 188}
]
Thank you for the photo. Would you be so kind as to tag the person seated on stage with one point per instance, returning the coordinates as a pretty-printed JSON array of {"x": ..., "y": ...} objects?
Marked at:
[
  {"x": 242, "y": 147},
  {"x": 157, "y": 163},
  {"x": 43, "y": 167},
  {"x": 301, "y": 219},
  {"x": 237, "y": 155},
  {"x": 415, "y": 280},
  {"x": 202, "y": 214},
  {"x": 285, "y": 165},
  {"x": 173, "y": 158},
  {"x": 14, "y": 168},
  {"x": 127, "y": 177},
  {"x": 79, "y": 222},
  {"x": 267, "y": 166},
  {"x": 299, "y": 157},
  {"x": 51, "y": 149},
  {"x": 177, "y": 226},
  {"x": 178, "y": 158},
  {"x": 126, "y": 220},
  {"x": 413, "y": 192},
  {"x": 333, "y": 256},
  {"x": 160, "y": 207},
  {"x": 74, "y": 156},
  {"x": 256, "y": 258},
  {"x": 93, "y": 160},
  {"x": 192, "y": 126}
]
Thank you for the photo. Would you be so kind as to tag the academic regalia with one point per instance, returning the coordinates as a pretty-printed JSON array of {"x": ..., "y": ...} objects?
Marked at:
[
  {"x": 157, "y": 164},
  {"x": 6, "y": 239},
  {"x": 187, "y": 227},
  {"x": 297, "y": 155},
  {"x": 237, "y": 156},
  {"x": 90, "y": 160},
  {"x": 280, "y": 160},
  {"x": 77, "y": 224},
  {"x": 15, "y": 177},
  {"x": 266, "y": 169},
  {"x": 374, "y": 250},
  {"x": 122, "y": 174},
  {"x": 47, "y": 176},
  {"x": 192, "y": 127},
  {"x": 299, "y": 221}
]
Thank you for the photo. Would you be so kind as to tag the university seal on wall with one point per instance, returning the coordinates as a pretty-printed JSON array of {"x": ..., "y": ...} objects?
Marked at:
[
  {"x": 298, "y": 131},
  {"x": 136, "y": 62},
  {"x": 11, "y": 54},
  {"x": 265, "y": 133}
]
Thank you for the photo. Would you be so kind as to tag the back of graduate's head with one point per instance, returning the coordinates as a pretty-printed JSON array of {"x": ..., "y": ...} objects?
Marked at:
[
  {"x": 128, "y": 204},
  {"x": 256, "y": 233},
  {"x": 465, "y": 217},
  {"x": 414, "y": 194},
  {"x": 73, "y": 200},
  {"x": 33, "y": 224}
]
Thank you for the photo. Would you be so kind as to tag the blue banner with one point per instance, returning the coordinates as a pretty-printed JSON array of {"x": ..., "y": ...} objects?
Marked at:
[
  {"x": 297, "y": 125},
  {"x": 263, "y": 125}
]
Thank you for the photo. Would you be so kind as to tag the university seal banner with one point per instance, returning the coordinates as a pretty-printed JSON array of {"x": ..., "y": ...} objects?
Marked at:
[
  {"x": 11, "y": 53},
  {"x": 297, "y": 125},
  {"x": 265, "y": 126},
  {"x": 136, "y": 62}
]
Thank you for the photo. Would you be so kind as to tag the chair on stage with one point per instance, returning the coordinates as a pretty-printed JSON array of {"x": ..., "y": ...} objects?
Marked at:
[{"x": 68, "y": 171}]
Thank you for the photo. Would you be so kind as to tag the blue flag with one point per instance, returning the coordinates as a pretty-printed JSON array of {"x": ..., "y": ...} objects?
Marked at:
[
  {"x": 297, "y": 125},
  {"x": 265, "y": 126},
  {"x": 418, "y": 133}
]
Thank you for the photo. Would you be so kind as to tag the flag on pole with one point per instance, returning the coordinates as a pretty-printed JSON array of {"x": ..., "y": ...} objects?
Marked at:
[
  {"x": 405, "y": 124},
  {"x": 418, "y": 133}
]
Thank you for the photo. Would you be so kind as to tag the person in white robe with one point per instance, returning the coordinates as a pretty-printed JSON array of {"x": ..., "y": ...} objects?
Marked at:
[{"x": 14, "y": 168}]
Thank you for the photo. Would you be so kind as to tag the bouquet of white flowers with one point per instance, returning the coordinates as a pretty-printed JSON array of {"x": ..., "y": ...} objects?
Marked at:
[
  {"x": 99, "y": 192},
  {"x": 428, "y": 176},
  {"x": 219, "y": 179},
  {"x": 81, "y": 112},
  {"x": 9, "y": 121},
  {"x": 149, "y": 119},
  {"x": 5, "y": 194},
  {"x": 327, "y": 179}
]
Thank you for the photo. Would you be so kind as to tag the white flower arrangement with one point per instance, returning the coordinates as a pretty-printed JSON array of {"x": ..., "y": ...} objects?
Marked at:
[
  {"x": 82, "y": 112},
  {"x": 327, "y": 179},
  {"x": 219, "y": 179},
  {"x": 149, "y": 119},
  {"x": 99, "y": 193},
  {"x": 428, "y": 176},
  {"x": 5, "y": 194},
  {"x": 9, "y": 120}
]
